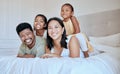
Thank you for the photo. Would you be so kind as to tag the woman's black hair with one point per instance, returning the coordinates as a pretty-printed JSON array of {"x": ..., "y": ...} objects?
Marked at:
[
  {"x": 44, "y": 18},
  {"x": 63, "y": 42}
]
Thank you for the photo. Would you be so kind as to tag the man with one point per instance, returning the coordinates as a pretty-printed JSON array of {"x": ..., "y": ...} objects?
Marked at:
[{"x": 31, "y": 46}]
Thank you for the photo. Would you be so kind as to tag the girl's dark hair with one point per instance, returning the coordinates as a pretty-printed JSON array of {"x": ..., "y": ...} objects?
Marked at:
[
  {"x": 44, "y": 18},
  {"x": 63, "y": 42},
  {"x": 68, "y": 4}
]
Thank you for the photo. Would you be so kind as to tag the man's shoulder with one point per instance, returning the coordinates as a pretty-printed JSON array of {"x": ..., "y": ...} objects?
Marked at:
[{"x": 22, "y": 46}]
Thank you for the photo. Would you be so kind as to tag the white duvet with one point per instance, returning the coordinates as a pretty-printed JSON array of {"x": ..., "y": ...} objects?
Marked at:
[{"x": 104, "y": 63}]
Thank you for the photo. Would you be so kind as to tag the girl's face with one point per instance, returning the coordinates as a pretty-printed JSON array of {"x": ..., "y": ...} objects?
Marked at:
[
  {"x": 66, "y": 11},
  {"x": 39, "y": 23},
  {"x": 27, "y": 37},
  {"x": 55, "y": 30}
]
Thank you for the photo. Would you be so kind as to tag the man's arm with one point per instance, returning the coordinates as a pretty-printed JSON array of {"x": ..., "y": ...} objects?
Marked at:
[{"x": 26, "y": 56}]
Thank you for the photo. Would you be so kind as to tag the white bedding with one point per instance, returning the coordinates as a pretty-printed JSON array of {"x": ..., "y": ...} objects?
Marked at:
[
  {"x": 104, "y": 63},
  {"x": 101, "y": 63}
]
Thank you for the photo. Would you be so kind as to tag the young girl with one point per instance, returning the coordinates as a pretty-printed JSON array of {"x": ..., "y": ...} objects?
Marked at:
[
  {"x": 70, "y": 21},
  {"x": 72, "y": 25},
  {"x": 40, "y": 25},
  {"x": 59, "y": 45}
]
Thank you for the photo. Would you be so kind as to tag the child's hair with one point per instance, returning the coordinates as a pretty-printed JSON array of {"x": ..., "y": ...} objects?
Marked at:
[
  {"x": 44, "y": 19},
  {"x": 68, "y": 4},
  {"x": 23, "y": 26},
  {"x": 63, "y": 40}
]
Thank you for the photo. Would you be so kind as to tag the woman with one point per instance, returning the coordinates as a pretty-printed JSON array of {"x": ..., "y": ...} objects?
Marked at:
[{"x": 57, "y": 43}]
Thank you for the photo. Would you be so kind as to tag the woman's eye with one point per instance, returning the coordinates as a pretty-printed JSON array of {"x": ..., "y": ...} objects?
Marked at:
[{"x": 56, "y": 26}]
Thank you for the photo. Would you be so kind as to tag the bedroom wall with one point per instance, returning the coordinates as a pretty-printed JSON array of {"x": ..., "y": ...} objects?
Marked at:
[
  {"x": 82, "y": 7},
  {"x": 12, "y": 12},
  {"x": 101, "y": 24}
]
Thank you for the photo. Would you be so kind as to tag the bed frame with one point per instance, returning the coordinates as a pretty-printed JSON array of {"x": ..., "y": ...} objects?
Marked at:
[{"x": 100, "y": 24}]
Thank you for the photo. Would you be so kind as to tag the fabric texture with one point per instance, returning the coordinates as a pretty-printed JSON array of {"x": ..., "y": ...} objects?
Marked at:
[
  {"x": 111, "y": 40},
  {"x": 45, "y": 34},
  {"x": 69, "y": 27},
  {"x": 90, "y": 47}
]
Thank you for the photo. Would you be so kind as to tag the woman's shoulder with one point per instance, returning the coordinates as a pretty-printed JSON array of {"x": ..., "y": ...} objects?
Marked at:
[{"x": 71, "y": 38}]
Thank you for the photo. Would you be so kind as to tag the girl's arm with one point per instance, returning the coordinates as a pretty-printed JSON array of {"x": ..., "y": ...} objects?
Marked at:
[
  {"x": 74, "y": 47},
  {"x": 86, "y": 54},
  {"x": 75, "y": 24}
]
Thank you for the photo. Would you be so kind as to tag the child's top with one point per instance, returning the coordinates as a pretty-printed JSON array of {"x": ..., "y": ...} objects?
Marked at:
[
  {"x": 45, "y": 34},
  {"x": 69, "y": 27}
]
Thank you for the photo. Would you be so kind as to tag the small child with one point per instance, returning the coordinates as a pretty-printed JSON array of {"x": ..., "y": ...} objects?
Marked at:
[
  {"x": 39, "y": 25},
  {"x": 72, "y": 26},
  {"x": 70, "y": 21}
]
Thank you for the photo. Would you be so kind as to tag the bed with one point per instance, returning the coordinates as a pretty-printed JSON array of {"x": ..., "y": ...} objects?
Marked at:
[{"x": 106, "y": 62}]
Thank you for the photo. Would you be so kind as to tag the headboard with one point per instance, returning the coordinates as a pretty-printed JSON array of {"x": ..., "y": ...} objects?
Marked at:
[{"x": 100, "y": 24}]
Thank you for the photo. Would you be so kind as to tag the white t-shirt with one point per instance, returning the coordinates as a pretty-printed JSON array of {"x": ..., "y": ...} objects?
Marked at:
[{"x": 45, "y": 34}]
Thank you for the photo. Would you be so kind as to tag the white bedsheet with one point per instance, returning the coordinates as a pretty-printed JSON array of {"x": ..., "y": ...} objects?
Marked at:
[{"x": 104, "y": 63}]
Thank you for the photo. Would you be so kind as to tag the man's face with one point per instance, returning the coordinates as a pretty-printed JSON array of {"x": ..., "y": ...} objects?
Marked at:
[{"x": 27, "y": 37}]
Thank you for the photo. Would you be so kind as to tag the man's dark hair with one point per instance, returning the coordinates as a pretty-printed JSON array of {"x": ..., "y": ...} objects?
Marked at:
[{"x": 23, "y": 26}]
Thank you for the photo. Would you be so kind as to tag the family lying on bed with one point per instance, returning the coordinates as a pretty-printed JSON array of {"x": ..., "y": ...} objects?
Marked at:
[{"x": 53, "y": 38}]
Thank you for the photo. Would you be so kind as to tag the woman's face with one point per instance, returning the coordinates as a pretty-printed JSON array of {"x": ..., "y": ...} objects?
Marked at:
[
  {"x": 55, "y": 30},
  {"x": 39, "y": 23},
  {"x": 66, "y": 11}
]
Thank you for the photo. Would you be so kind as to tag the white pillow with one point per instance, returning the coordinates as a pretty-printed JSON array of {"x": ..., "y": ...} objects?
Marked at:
[{"x": 111, "y": 40}]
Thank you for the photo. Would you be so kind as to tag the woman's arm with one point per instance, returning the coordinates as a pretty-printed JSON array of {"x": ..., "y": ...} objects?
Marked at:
[
  {"x": 47, "y": 50},
  {"x": 75, "y": 24},
  {"x": 74, "y": 47},
  {"x": 48, "y": 54}
]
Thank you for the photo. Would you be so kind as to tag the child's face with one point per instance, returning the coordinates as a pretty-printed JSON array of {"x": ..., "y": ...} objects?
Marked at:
[
  {"x": 39, "y": 23},
  {"x": 55, "y": 30},
  {"x": 66, "y": 11},
  {"x": 27, "y": 37}
]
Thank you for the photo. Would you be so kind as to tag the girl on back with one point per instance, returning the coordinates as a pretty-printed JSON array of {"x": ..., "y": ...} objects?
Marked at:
[
  {"x": 72, "y": 26},
  {"x": 70, "y": 21}
]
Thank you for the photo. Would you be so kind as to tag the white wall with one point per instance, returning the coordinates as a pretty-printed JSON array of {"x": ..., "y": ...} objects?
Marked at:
[
  {"x": 12, "y": 12},
  {"x": 82, "y": 7}
]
